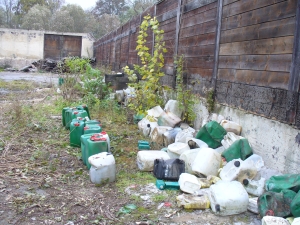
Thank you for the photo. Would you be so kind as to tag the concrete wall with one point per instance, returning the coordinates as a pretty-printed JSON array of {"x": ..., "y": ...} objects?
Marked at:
[
  {"x": 277, "y": 143},
  {"x": 18, "y": 48}
]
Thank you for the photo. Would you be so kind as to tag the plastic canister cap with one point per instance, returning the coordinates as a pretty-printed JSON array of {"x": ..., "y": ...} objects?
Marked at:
[
  {"x": 76, "y": 124},
  {"x": 237, "y": 163},
  {"x": 76, "y": 112},
  {"x": 103, "y": 133},
  {"x": 97, "y": 137},
  {"x": 86, "y": 128},
  {"x": 245, "y": 182},
  {"x": 217, "y": 207}
]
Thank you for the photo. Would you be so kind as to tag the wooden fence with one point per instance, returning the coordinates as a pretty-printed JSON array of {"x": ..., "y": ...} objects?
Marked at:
[{"x": 247, "y": 51}]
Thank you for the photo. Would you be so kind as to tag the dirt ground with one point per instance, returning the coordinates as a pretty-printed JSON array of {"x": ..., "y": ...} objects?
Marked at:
[{"x": 43, "y": 179}]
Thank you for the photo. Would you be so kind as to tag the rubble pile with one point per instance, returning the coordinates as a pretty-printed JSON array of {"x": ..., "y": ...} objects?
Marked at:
[{"x": 48, "y": 65}]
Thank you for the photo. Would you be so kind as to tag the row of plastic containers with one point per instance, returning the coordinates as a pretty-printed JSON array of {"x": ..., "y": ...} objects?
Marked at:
[{"x": 94, "y": 143}]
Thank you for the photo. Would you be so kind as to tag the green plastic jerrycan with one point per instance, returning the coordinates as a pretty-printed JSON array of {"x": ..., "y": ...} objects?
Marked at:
[
  {"x": 96, "y": 144},
  {"x": 92, "y": 129},
  {"x": 92, "y": 122},
  {"x": 63, "y": 115},
  {"x": 84, "y": 146},
  {"x": 276, "y": 204},
  {"x": 286, "y": 181},
  {"x": 86, "y": 108},
  {"x": 69, "y": 117},
  {"x": 76, "y": 130},
  {"x": 212, "y": 134},
  {"x": 295, "y": 205},
  {"x": 79, "y": 113},
  {"x": 60, "y": 81},
  {"x": 240, "y": 149}
]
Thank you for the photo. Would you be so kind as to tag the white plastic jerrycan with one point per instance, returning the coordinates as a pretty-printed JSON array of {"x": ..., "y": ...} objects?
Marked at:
[
  {"x": 229, "y": 138},
  {"x": 231, "y": 126},
  {"x": 228, "y": 198},
  {"x": 176, "y": 149},
  {"x": 103, "y": 168},
  {"x": 238, "y": 169},
  {"x": 255, "y": 187},
  {"x": 188, "y": 157},
  {"x": 188, "y": 183},
  {"x": 207, "y": 162},
  {"x": 145, "y": 159},
  {"x": 274, "y": 220},
  {"x": 157, "y": 134}
]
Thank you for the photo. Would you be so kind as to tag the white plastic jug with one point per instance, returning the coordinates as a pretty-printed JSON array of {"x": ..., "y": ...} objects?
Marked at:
[
  {"x": 188, "y": 157},
  {"x": 176, "y": 149},
  {"x": 255, "y": 187},
  {"x": 145, "y": 121},
  {"x": 157, "y": 134},
  {"x": 228, "y": 198},
  {"x": 229, "y": 138},
  {"x": 120, "y": 96},
  {"x": 103, "y": 168},
  {"x": 145, "y": 159},
  {"x": 195, "y": 143},
  {"x": 216, "y": 117},
  {"x": 129, "y": 94},
  {"x": 296, "y": 221},
  {"x": 155, "y": 111},
  {"x": 173, "y": 107},
  {"x": 184, "y": 134},
  {"x": 169, "y": 136},
  {"x": 220, "y": 150},
  {"x": 238, "y": 169},
  {"x": 252, "y": 206},
  {"x": 168, "y": 119},
  {"x": 188, "y": 183},
  {"x": 207, "y": 162},
  {"x": 273, "y": 220},
  {"x": 256, "y": 161},
  {"x": 231, "y": 126}
]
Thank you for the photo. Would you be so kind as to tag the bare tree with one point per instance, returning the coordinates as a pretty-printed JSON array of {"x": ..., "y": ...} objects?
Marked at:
[{"x": 8, "y": 6}]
